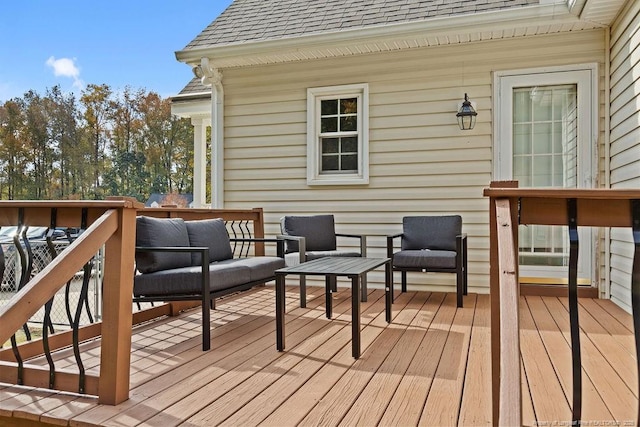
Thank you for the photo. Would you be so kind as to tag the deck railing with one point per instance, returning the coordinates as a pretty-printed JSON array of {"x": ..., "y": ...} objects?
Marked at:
[
  {"x": 108, "y": 226},
  {"x": 510, "y": 206}
]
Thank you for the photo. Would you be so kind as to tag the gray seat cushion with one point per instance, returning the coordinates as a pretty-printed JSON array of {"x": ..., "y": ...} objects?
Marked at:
[
  {"x": 318, "y": 230},
  {"x": 425, "y": 259},
  {"x": 186, "y": 280},
  {"x": 262, "y": 267},
  {"x": 211, "y": 233},
  {"x": 431, "y": 232},
  {"x": 155, "y": 232}
]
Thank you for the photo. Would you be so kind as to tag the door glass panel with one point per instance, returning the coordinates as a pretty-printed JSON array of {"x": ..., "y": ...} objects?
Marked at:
[{"x": 545, "y": 155}]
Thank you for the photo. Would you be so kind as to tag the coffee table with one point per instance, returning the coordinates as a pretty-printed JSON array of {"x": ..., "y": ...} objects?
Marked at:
[{"x": 332, "y": 267}]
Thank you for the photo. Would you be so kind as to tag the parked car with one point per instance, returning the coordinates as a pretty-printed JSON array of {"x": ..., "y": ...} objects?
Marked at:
[{"x": 40, "y": 252}]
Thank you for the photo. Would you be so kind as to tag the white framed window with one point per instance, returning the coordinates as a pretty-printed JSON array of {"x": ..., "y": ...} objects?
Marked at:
[{"x": 338, "y": 135}]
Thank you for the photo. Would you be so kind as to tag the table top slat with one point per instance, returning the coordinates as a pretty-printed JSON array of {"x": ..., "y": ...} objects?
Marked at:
[{"x": 339, "y": 266}]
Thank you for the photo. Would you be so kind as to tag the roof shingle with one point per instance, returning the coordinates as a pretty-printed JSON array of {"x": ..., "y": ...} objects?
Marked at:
[{"x": 246, "y": 21}]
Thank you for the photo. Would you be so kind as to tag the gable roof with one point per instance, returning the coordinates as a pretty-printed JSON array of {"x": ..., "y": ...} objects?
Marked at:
[{"x": 258, "y": 20}]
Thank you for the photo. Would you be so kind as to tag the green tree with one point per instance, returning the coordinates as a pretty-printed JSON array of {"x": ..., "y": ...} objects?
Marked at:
[
  {"x": 96, "y": 100},
  {"x": 12, "y": 149}
]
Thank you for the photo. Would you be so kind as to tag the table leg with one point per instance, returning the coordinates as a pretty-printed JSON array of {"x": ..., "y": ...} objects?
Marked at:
[
  {"x": 280, "y": 312},
  {"x": 330, "y": 284},
  {"x": 355, "y": 316},
  {"x": 388, "y": 287}
]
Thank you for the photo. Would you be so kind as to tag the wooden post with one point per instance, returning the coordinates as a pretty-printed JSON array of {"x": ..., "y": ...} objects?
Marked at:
[
  {"x": 115, "y": 355},
  {"x": 258, "y": 230},
  {"x": 494, "y": 281}
]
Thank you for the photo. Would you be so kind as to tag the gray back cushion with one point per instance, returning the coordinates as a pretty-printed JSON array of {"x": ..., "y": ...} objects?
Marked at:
[
  {"x": 154, "y": 232},
  {"x": 318, "y": 230},
  {"x": 431, "y": 232},
  {"x": 211, "y": 233}
]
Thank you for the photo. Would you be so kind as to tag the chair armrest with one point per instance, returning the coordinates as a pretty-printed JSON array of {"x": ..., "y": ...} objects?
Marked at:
[
  {"x": 390, "y": 239},
  {"x": 302, "y": 247},
  {"x": 278, "y": 241},
  {"x": 363, "y": 241},
  {"x": 461, "y": 244}
]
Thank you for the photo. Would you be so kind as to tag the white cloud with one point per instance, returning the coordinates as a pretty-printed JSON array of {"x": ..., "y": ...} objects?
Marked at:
[{"x": 66, "y": 67}]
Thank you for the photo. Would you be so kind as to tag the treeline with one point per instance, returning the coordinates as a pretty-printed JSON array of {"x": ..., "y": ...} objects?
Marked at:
[{"x": 55, "y": 146}]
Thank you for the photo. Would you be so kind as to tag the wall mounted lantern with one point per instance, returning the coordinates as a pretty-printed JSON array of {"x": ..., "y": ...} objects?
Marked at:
[{"x": 466, "y": 115}]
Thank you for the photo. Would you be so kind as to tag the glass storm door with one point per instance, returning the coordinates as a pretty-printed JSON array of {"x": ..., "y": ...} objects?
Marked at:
[{"x": 543, "y": 146}]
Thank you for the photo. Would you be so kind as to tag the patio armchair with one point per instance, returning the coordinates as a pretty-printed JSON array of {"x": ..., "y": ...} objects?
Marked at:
[
  {"x": 431, "y": 244},
  {"x": 314, "y": 236}
]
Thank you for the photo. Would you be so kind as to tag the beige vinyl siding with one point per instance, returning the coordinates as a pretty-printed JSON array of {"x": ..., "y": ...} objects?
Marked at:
[
  {"x": 420, "y": 161},
  {"x": 625, "y": 137}
]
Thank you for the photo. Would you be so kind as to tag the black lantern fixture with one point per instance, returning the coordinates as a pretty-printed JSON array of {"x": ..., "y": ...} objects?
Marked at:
[{"x": 466, "y": 115}]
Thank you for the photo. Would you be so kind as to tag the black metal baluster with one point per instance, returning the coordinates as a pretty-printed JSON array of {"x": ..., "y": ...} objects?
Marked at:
[
  {"x": 48, "y": 306},
  {"x": 16, "y": 354},
  {"x": 235, "y": 236},
  {"x": 2, "y": 265},
  {"x": 84, "y": 291},
  {"x": 572, "y": 211},
  {"x": 25, "y": 262},
  {"x": 245, "y": 227},
  {"x": 635, "y": 285},
  {"x": 87, "y": 268}
]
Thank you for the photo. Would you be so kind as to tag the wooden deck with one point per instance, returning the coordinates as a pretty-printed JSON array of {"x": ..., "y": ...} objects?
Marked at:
[{"x": 430, "y": 366}]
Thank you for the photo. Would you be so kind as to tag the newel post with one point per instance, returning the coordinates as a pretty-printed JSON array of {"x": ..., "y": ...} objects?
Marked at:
[{"x": 115, "y": 354}]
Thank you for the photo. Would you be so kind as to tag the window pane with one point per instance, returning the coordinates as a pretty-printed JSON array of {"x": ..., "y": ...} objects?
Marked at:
[
  {"x": 329, "y": 107},
  {"x": 350, "y": 145},
  {"x": 558, "y": 171},
  {"x": 349, "y": 123},
  {"x": 349, "y": 106},
  {"x": 521, "y": 139},
  {"x": 349, "y": 162},
  {"x": 557, "y": 138},
  {"x": 522, "y": 170},
  {"x": 542, "y": 138},
  {"x": 329, "y": 124},
  {"x": 541, "y": 103},
  {"x": 521, "y": 105},
  {"x": 542, "y": 168},
  {"x": 329, "y": 145},
  {"x": 329, "y": 163}
]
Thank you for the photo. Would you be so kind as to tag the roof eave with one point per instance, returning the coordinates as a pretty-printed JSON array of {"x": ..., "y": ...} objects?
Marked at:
[{"x": 556, "y": 13}]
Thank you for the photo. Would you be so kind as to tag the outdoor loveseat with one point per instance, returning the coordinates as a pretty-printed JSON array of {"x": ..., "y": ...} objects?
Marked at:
[{"x": 180, "y": 260}]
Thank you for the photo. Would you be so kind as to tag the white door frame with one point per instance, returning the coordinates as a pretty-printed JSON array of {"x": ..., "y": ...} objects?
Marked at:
[{"x": 585, "y": 76}]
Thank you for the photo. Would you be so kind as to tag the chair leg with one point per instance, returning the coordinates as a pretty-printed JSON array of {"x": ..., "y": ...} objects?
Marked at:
[
  {"x": 460, "y": 287},
  {"x": 303, "y": 291},
  {"x": 404, "y": 281}
]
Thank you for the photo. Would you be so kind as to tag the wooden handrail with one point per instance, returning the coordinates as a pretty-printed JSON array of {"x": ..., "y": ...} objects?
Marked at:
[
  {"x": 110, "y": 224},
  {"x": 510, "y": 206}
]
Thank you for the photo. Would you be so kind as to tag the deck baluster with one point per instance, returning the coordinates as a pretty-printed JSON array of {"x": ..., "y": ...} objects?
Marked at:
[
  {"x": 47, "y": 323},
  {"x": 572, "y": 211}
]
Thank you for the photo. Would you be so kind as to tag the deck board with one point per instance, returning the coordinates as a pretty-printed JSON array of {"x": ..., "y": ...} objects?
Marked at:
[
  {"x": 615, "y": 394},
  {"x": 430, "y": 366}
]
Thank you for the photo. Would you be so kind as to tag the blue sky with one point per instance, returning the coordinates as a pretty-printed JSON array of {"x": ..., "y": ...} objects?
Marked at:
[{"x": 73, "y": 43}]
